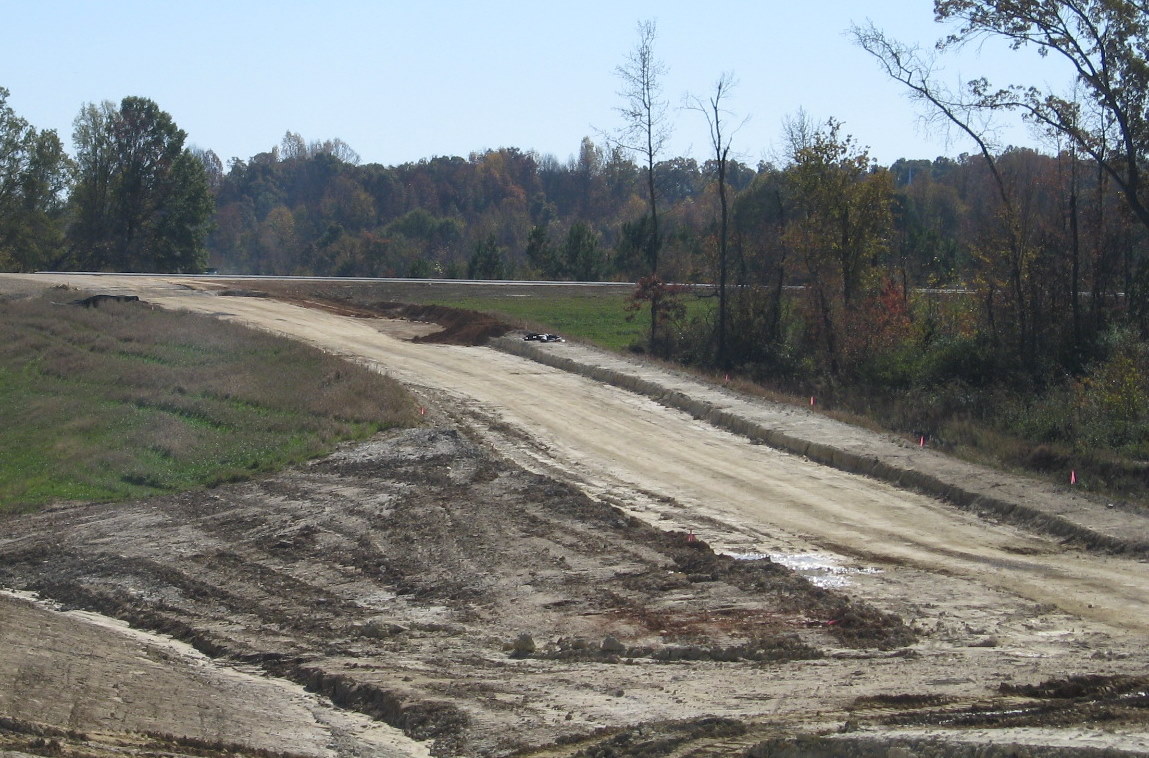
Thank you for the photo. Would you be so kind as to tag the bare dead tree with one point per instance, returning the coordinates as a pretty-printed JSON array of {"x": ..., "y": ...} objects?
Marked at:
[
  {"x": 645, "y": 132},
  {"x": 713, "y": 109}
]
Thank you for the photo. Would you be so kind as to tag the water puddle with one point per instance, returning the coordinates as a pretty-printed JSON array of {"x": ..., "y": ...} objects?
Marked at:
[{"x": 822, "y": 569}]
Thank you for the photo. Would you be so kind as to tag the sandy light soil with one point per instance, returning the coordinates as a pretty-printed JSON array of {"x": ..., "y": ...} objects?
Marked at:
[{"x": 532, "y": 572}]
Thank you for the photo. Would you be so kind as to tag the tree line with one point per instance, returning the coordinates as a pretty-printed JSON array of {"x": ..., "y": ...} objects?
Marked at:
[
  {"x": 1002, "y": 264},
  {"x": 132, "y": 197},
  {"x": 860, "y": 239}
]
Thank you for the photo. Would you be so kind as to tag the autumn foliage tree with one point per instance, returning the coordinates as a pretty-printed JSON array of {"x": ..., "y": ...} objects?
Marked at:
[
  {"x": 840, "y": 230},
  {"x": 1106, "y": 45},
  {"x": 1098, "y": 115}
]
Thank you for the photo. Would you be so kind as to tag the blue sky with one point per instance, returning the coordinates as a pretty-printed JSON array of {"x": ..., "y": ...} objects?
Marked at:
[{"x": 400, "y": 81}]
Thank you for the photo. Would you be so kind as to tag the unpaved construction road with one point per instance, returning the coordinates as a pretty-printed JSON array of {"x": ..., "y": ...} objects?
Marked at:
[{"x": 517, "y": 576}]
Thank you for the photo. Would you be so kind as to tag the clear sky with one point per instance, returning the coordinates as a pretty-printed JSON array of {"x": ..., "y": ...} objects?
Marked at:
[{"x": 401, "y": 81}]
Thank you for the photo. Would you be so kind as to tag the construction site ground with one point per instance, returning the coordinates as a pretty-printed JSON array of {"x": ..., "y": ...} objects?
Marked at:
[{"x": 575, "y": 554}]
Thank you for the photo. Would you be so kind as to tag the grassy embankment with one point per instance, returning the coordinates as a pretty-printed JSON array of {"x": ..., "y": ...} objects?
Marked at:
[{"x": 126, "y": 400}]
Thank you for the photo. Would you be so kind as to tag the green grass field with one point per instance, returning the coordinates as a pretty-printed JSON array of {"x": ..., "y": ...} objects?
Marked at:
[
  {"x": 125, "y": 400},
  {"x": 597, "y": 318}
]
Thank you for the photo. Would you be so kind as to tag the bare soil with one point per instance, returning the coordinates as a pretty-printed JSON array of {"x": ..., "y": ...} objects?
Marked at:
[{"x": 552, "y": 566}]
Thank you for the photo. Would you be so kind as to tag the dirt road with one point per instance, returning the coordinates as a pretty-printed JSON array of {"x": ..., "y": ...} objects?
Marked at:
[
  {"x": 993, "y": 603},
  {"x": 741, "y": 497}
]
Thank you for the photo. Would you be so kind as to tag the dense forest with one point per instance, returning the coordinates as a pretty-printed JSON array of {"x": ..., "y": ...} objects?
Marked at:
[{"x": 1004, "y": 291}]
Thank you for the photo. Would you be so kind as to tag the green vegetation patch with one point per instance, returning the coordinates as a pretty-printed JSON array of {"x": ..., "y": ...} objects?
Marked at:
[
  {"x": 599, "y": 318},
  {"x": 126, "y": 400}
]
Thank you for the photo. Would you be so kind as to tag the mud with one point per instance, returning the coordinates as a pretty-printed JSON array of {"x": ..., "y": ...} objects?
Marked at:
[{"x": 379, "y": 575}]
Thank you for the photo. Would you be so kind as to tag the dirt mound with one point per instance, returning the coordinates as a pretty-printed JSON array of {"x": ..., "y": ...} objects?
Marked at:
[
  {"x": 396, "y": 577},
  {"x": 459, "y": 326},
  {"x": 95, "y": 301}
]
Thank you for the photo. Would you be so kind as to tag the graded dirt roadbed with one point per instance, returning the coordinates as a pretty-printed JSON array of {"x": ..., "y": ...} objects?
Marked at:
[
  {"x": 993, "y": 606},
  {"x": 1038, "y": 505}
]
